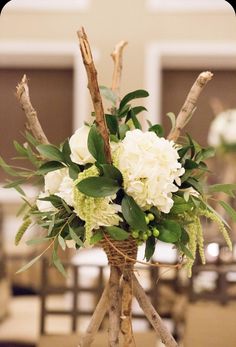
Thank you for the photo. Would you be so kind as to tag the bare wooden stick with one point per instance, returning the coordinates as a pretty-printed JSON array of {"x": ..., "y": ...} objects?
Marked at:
[
  {"x": 152, "y": 315},
  {"x": 117, "y": 58},
  {"x": 96, "y": 320},
  {"x": 126, "y": 307},
  {"x": 33, "y": 124},
  {"x": 190, "y": 103},
  {"x": 114, "y": 309},
  {"x": 94, "y": 90}
]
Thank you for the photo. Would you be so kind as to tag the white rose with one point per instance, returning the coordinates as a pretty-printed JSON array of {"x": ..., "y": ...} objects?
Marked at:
[
  {"x": 79, "y": 148},
  {"x": 53, "y": 179},
  {"x": 65, "y": 190},
  {"x": 59, "y": 183},
  {"x": 44, "y": 206},
  {"x": 150, "y": 168}
]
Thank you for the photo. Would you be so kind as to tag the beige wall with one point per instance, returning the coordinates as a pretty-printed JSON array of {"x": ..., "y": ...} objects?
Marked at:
[{"x": 108, "y": 21}]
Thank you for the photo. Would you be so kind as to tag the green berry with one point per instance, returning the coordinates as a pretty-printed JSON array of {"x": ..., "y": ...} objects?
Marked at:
[
  {"x": 145, "y": 237},
  {"x": 155, "y": 232},
  {"x": 147, "y": 219},
  {"x": 150, "y": 217},
  {"x": 135, "y": 234},
  {"x": 139, "y": 242},
  {"x": 149, "y": 232}
]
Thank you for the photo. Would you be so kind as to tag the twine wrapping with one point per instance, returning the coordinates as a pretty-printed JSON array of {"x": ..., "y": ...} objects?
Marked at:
[{"x": 127, "y": 248}]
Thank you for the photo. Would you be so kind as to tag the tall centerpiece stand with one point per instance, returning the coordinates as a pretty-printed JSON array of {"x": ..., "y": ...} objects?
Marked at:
[{"x": 123, "y": 285}]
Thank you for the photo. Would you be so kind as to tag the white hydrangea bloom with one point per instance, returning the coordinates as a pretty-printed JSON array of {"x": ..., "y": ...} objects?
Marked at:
[
  {"x": 150, "y": 168},
  {"x": 79, "y": 148},
  {"x": 223, "y": 129}
]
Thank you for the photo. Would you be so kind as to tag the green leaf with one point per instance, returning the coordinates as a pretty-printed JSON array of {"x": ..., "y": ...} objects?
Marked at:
[
  {"x": 96, "y": 145},
  {"x": 190, "y": 164},
  {"x": 195, "y": 184},
  {"x": 170, "y": 231},
  {"x": 172, "y": 117},
  {"x": 150, "y": 247},
  {"x": 114, "y": 138},
  {"x": 111, "y": 171},
  {"x": 112, "y": 123},
  {"x": 133, "y": 214},
  {"x": 123, "y": 128},
  {"x": 66, "y": 152},
  {"x": 98, "y": 187},
  {"x": 138, "y": 109},
  {"x": 124, "y": 111},
  {"x": 32, "y": 157},
  {"x": 108, "y": 94},
  {"x": 117, "y": 233},
  {"x": 62, "y": 242},
  {"x": 205, "y": 153},
  {"x": 185, "y": 250},
  {"x": 74, "y": 170},
  {"x": 20, "y": 149},
  {"x": 13, "y": 184},
  {"x": 133, "y": 95},
  {"x": 54, "y": 199},
  {"x": 97, "y": 237},
  {"x": 29, "y": 264},
  {"x": 75, "y": 237},
  {"x": 231, "y": 212},
  {"x": 7, "y": 168},
  {"x": 184, "y": 236},
  {"x": 135, "y": 120},
  {"x": 31, "y": 139},
  {"x": 37, "y": 241},
  {"x": 225, "y": 188},
  {"x": 49, "y": 166},
  {"x": 157, "y": 129},
  {"x": 183, "y": 151},
  {"x": 57, "y": 262},
  {"x": 51, "y": 152}
]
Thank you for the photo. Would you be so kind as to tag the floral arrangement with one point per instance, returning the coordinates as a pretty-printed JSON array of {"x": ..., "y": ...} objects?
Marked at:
[
  {"x": 154, "y": 189},
  {"x": 222, "y": 131},
  {"x": 120, "y": 183}
]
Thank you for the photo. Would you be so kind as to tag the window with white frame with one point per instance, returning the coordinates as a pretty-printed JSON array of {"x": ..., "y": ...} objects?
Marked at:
[
  {"x": 188, "y": 5},
  {"x": 58, "y": 5}
]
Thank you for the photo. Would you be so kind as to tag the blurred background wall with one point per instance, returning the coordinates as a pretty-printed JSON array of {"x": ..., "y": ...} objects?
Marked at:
[{"x": 168, "y": 48}]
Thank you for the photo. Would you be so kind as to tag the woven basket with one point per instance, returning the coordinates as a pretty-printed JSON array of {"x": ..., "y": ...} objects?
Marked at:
[{"x": 118, "y": 251}]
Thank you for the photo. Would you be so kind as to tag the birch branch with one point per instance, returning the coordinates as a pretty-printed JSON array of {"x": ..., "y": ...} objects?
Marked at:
[
  {"x": 96, "y": 319},
  {"x": 94, "y": 90},
  {"x": 32, "y": 124},
  {"x": 117, "y": 59},
  {"x": 190, "y": 103},
  {"x": 152, "y": 315}
]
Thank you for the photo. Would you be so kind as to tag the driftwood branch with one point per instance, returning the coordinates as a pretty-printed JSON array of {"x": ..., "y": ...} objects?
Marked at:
[
  {"x": 152, "y": 315},
  {"x": 117, "y": 59},
  {"x": 126, "y": 307},
  {"x": 96, "y": 319},
  {"x": 94, "y": 90},
  {"x": 190, "y": 103},
  {"x": 32, "y": 124},
  {"x": 114, "y": 306}
]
